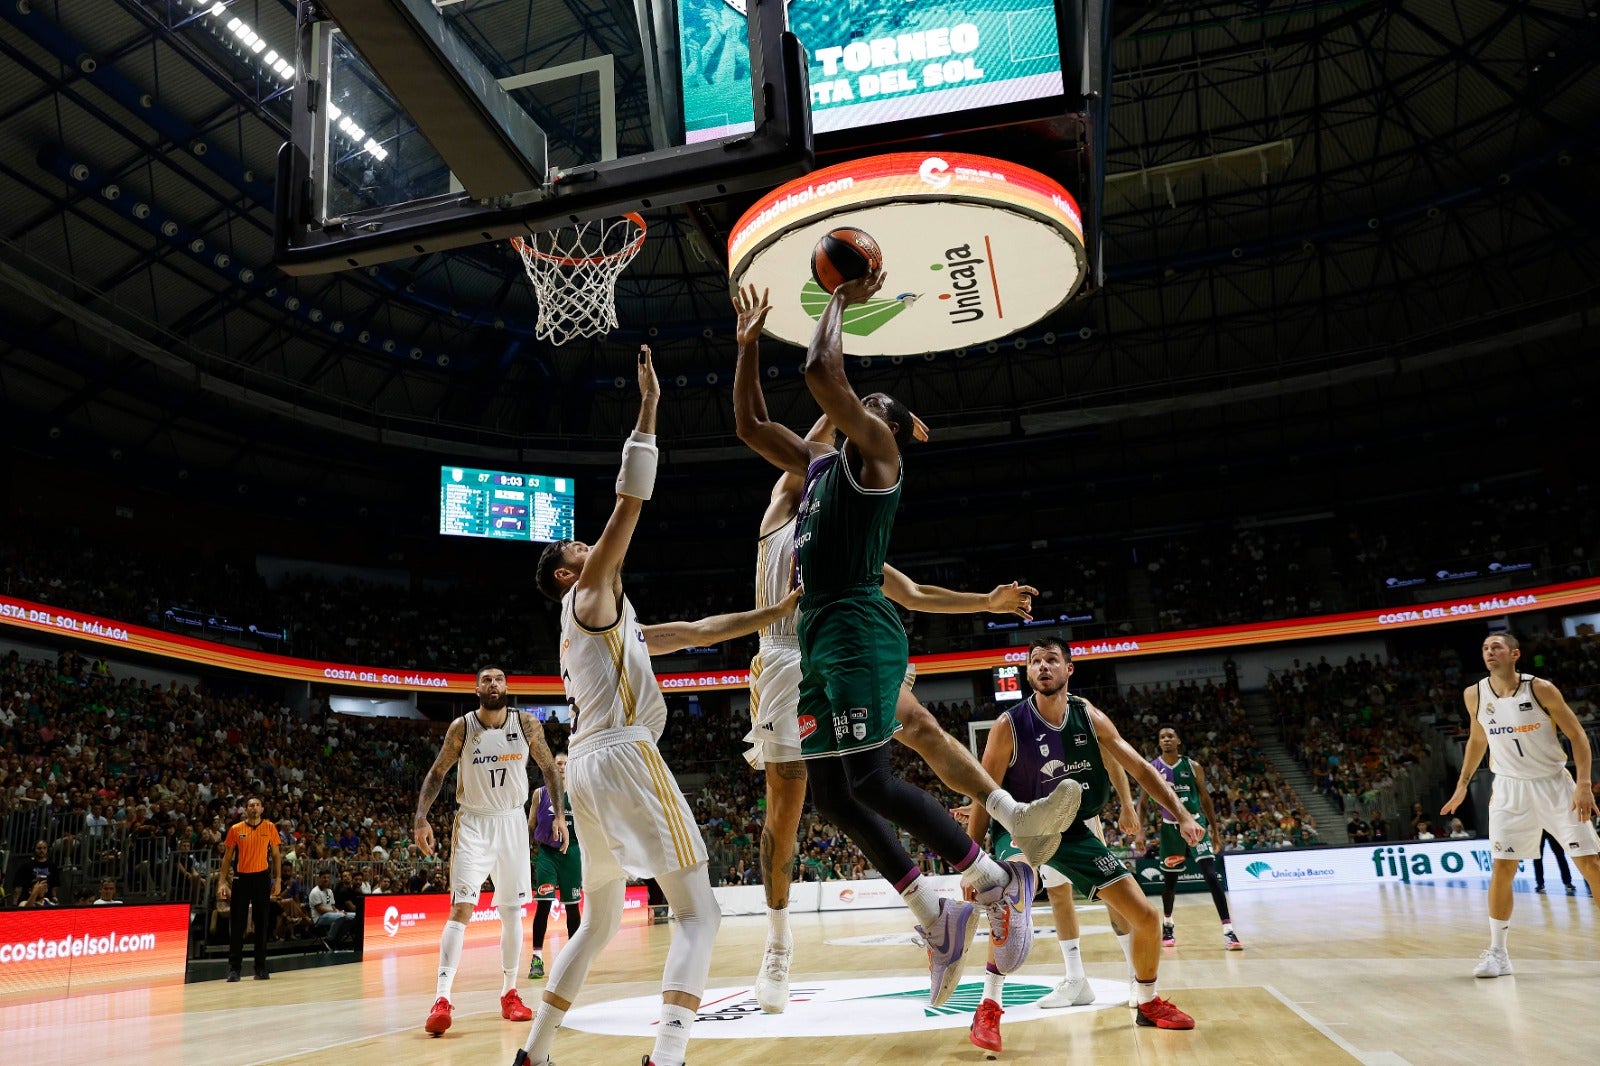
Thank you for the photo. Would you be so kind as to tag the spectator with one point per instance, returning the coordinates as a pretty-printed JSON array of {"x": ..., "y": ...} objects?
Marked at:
[
  {"x": 37, "y": 881},
  {"x": 331, "y": 922},
  {"x": 1380, "y": 828},
  {"x": 1458, "y": 831},
  {"x": 1359, "y": 831},
  {"x": 108, "y": 892},
  {"x": 1424, "y": 830}
]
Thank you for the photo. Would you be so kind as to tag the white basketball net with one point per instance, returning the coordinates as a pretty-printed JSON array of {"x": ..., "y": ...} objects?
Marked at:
[{"x": 574, "y": 272}]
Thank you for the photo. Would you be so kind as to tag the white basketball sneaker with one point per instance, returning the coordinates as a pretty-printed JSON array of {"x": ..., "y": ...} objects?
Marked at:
[
  {"x": 1071, "y": 992},
  {"x": 772, "y": 983},
  {"x": 1493, "y": 963}
]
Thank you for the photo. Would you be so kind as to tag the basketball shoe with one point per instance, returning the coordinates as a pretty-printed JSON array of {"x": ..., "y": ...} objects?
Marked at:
[
  {"x": 439, "y": 1017},
  {"x": 535, "y": 968},
  {"x": 1230, "y": 941},
  {"x": 985, "y": 1031},
  {"x": 1159, "y": 1014},
  {"x": 1071, "y": 992},
  {"x": 523, "y": 1059},
  {"x": 1010, "y": 911},
  {"x": 512, "y": 1009},
  {"x": 772, "y": 983},
  {"x": 1493, "y": 963},
  {"x": 948, "y": 941},
  {"x": 1169, "y": 934},
  {"x": 1037, "y": 828}
]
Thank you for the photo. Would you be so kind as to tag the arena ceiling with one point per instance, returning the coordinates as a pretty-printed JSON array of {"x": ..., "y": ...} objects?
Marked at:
[{"x": 1326, "y": 220}]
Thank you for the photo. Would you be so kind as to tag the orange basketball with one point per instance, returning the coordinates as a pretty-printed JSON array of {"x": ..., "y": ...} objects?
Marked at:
[{"x": 843, "y": 255}]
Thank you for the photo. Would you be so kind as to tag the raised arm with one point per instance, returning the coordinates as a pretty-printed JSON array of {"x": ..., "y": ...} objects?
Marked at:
[
  {"x": 449, "y": 752},
  {"x": 1555, "y": 706},
  {"x": 1477, "y": 744},
  {"x": 785, "y": 501},
  {"x": 932, "y": 599},
  {"x": 599, "y": 590},
  {"x": 773, "y": 441},
  {"x": 1154, "y": 784},
  {"x": 825, "y": 377},
  {"x": 669, "y": 637}
]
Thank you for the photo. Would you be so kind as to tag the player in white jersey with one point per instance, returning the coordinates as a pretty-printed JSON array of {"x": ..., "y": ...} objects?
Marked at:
[
  {"x": 493, "y": 746},
  {"x": 631, "y": 819},
  {"x": 1515, "y": 717},
  {"x": 774, "y": 736}
]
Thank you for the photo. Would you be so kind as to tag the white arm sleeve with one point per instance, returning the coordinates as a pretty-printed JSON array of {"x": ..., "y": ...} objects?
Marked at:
[{"x": 637, "y": 477}]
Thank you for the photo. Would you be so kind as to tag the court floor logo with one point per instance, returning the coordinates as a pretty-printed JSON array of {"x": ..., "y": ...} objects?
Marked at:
[{"x": 860, "y": 1007}]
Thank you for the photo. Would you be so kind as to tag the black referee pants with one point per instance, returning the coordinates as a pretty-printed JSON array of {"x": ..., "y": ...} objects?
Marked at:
[{"x": 250, "y": 891}]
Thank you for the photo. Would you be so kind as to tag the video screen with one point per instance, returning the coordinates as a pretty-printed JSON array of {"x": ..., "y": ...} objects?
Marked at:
[
  {"x": 872, "y": 61},
  {"x": 500, "y": 505}
]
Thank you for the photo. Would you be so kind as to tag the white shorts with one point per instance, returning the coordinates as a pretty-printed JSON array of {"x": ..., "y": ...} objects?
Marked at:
[
  {"x": 1520, "y": 808},
  {"x": 631, "y": 818},
  {"x": 775, "y": 705},
  {"x": 491, "y": 845}
]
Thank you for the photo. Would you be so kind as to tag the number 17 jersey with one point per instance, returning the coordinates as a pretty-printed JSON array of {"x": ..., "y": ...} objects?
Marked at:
[{"x": 492, "y": 776}]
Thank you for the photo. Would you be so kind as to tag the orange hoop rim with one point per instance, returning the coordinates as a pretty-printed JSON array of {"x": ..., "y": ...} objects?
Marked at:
[{"x": 527, "y": 249}]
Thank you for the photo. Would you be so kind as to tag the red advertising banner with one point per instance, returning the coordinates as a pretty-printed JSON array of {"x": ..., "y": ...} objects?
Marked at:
[
  {"x": 403, "y": 924},
  {"x": 61, "y": 950},
  {"x": 43, "y": 618}
]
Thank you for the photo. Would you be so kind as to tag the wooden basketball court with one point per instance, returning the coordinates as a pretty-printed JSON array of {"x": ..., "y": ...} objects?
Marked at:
[{"x": 1378, "y": 975}]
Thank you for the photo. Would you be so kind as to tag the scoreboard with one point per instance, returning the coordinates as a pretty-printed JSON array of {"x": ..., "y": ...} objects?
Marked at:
[
  {"x": 1007, "y": 683},
  {"x": 504, "y": 506}
]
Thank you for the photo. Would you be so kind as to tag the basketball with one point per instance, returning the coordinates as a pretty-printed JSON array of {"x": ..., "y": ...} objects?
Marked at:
[{"x": 843, "y": 255}]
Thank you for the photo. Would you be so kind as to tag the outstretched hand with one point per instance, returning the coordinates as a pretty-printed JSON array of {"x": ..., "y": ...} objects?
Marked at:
[
  {"x": 1013, "y": 599},
  {"x": 860, "y": 290},
  {"x": 649, "y": 385},
  {"x": 752, "y": 311}
]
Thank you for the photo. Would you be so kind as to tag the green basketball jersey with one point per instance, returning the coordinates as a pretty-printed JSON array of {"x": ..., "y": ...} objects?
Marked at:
[
  {"x": 1180, "y": 776},
  {"x": 841, "y": 535}
]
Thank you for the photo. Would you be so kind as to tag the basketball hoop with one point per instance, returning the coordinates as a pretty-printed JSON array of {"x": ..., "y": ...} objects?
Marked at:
[{"x": 574, "y": 273}]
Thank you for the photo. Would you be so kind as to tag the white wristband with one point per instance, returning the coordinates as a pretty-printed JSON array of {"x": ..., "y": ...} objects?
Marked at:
[{"x": 637, "y": 477}]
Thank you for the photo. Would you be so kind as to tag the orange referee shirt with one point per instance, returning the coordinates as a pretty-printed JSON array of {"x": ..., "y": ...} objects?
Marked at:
[{"x": 252, "y": 845}]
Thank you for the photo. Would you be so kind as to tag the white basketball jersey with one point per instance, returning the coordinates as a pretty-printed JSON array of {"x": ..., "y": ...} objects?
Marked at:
[
  {"x": 607, "y": 674},
  {"x": 1522, "y": 738},
  {"x": 775, "y": 577},
  {"x": 492, "y": 775}
]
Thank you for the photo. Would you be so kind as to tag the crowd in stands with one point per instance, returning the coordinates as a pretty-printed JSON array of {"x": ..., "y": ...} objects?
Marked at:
[
  {"x": 1361, "y": 726},
  {"x": 1202, "y": 577}
]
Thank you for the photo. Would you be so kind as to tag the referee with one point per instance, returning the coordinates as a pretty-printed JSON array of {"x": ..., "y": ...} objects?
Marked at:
[{"x": 255, "y": 842}]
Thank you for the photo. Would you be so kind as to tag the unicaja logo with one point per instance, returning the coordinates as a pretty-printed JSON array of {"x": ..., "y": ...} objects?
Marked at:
[
  {"x": 847, "y": 895},
  {"x": 391, "y": 921},
  {"x": 934, "y": 172},
  {"x": 1256, "y": 869}
]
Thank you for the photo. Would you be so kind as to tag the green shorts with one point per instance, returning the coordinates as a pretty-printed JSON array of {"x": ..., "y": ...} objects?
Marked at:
[
  {"x": 1176, "y": 852},
  {"x": 1083, "y": 859},
  {"x": 852, "y": 666},
  {"x": 558, "y": 876}
]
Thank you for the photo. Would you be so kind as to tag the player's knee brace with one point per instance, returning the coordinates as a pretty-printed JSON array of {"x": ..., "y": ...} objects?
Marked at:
[
  {"x": 695, "y": 907},
  {"x": 602, "y": 915}
]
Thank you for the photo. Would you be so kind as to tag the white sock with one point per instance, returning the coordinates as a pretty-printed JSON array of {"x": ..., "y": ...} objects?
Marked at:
[
  {"x": 985, "y": 873},
  {"x": 778, "y": 926},
  {"x": 455, "y": 933},
  {"x": 1003, "y": 807},
  {"x": 510, "y": 947},
  {"x": 672, "y": 1036},
  {"x": 1147, "y": 991},
  {"x": 993, "y": 985},
  {"x": 1227, "y": 927},
  {"x": 546, "y": 1020},
  {"x": 1125, "y": 940},
  {"x": 1073, "y": 957},
  {"x": 1498, "y": 931},
  {"x": 922, "y": 900}
]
